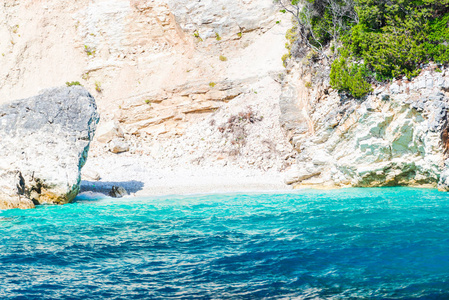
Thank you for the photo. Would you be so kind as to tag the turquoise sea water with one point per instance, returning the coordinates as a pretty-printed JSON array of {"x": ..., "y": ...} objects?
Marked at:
[{"x": 346, "y": 244}]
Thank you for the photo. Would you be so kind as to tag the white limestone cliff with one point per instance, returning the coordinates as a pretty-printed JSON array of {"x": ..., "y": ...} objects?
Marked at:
[{"x": 397, "y": 135}]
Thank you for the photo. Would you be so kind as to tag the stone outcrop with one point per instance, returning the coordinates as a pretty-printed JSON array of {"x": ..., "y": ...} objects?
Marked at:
[
  {"x": 44, "y": 142},
  {"x": 395, "y": 136}
]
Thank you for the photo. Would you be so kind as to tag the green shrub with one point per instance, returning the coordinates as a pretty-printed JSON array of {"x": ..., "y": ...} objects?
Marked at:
[
  {"x": 438, "y": 38},
  {"x": 89, "y": 50},
  {"x": 285, "y": 57},
  {"x": 394, "y": 38},
  {"x": 98, "y": 86},
  {"x": 390, "y": 53},
  {"x": 349, "y": 77},
  {"x": 291, "y": 37},
  {"x": 223, "y": 58},
  {"x": 73, "y": 83},
  {"x": 196, "y": 34}
]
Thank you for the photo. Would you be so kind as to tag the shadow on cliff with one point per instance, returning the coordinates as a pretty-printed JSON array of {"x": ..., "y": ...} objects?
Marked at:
[{"x": 104, "y": 187}]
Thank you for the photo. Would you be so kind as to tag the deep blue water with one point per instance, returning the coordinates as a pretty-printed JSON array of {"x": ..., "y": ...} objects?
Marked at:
[{"x": 346, "y": 244}]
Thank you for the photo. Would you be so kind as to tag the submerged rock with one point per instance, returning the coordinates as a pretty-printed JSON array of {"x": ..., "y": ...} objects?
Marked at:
[{"x": 44, "y": 141}]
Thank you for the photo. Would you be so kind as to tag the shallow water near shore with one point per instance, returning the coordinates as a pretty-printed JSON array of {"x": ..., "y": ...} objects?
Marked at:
[{"x": 389, "y": 243}]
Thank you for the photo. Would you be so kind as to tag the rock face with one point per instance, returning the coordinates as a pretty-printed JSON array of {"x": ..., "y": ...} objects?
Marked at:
[
  {"x": 223, "y": 17},
  {"x": 44, "y": 141},
  {"x": 157, "y": 61},
  {"x": 395, "y": 136}
]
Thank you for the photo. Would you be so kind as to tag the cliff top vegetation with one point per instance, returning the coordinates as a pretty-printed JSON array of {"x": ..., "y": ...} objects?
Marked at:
[{"x": 368, "y": 41}]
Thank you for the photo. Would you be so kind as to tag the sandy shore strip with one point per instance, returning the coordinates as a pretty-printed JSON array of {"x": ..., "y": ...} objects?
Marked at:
[{"x": 143, "y": 177}]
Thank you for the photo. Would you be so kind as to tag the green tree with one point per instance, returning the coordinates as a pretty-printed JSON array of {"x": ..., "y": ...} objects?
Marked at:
[{"x": 376, "y": 39}]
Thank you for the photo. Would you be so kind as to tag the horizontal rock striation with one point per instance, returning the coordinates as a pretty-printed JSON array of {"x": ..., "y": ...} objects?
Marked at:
[{"x": 44, "y": 142}]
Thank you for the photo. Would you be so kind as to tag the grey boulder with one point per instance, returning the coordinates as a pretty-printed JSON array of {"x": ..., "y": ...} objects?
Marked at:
[
  {"x": 118, "y": 192},
  {"x": 44, "y": 142}
]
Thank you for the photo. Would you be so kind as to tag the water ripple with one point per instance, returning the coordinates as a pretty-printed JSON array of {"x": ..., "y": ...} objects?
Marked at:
[{"x": 345, "y": 244}]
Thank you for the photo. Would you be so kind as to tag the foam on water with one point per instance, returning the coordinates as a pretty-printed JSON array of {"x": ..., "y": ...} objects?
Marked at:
[{"x": 355, "y": 243}]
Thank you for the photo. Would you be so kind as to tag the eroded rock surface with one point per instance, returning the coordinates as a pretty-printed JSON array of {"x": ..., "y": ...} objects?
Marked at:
[
  {"x": 44, "y": 141},
  {"x": 395, "y": 136}
]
